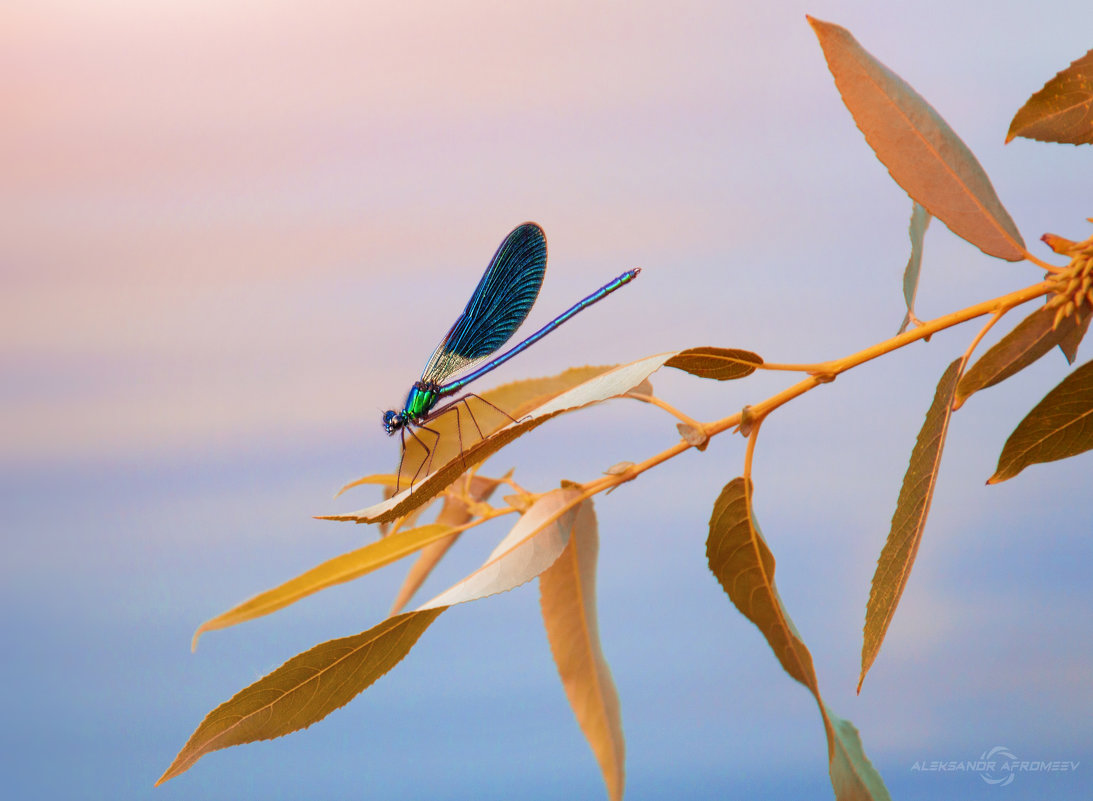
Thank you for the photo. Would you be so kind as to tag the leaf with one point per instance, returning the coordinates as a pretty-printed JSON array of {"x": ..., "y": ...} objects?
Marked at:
[
  {"x": 920, "y": 221},
  {"x": 898, "y": 555},
  {"x": 1027, "y": 342},
  {"x": 480, "y": 414},
  {"x": 530, "y": 547},
  {"x": 455, "y": 512},
  {"x": 567, "y": 592},
  {"x": 740, "y": 559},
  {"x": 719, "y": 364},
  {"x": 922, "y": 153},
  {"x": 1062, "y": 111},
  {"x": 743, "y": 564},
  {"x": 305, "y": 689},
  {"x": 852, "y": 774},
  {"x": 387, "y": 480},
  {"x": 311, "y": 685},
  {"x": 334, "y": 571},
  {"x": 1059, "y": 426},
  {"x": 1073, "y": 338},
  {"x": 616, "y": 381}
]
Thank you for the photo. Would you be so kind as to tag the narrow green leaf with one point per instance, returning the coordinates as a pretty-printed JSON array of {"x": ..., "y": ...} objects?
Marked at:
[
  {"x": 922, "y": 153},
  {"x": 719, "y": 364},
  {"x": 1027, "y": 342},
  {"x": 1059, "y": 426},
  {"x": 898, "y": 555},
  {"x": 852, "y": 774},
  {"x": 305, "y": 689},
  {"x": 920, "y": 221},
  {"x": 1062, "y": 111},
  {"x": 743, "y": 564}
]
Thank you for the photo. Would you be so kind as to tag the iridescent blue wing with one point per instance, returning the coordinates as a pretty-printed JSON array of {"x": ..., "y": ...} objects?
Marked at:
[{"x": 499, "y": 305}]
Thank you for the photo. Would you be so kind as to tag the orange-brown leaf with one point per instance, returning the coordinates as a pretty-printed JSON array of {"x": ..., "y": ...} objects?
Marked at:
[
  {"x": 305, "y": 689},
  {"x": 740, "y": 559},
  {"x": 719, "y": 364},
  {"x": 340, "y": 569},
  {"x": 922, "y": 153},
  {"x": 1062, "y": 111},
  {"x": 1059, "y": 426},
  {"x": 1073, "y": 338},
  {"x": 743, "y": 564},
  {"x": 460, "y": 427},
  {"x": 1028, "y": 341},
  {"x": 455, "y": 512},
  {"x": 611, "y": 383},
  {"x": 568, "y": 601},
  {"x": 909, "y": 521},
  {"x": 537, "y": 539},
  {"x": 311, "y": 685}
]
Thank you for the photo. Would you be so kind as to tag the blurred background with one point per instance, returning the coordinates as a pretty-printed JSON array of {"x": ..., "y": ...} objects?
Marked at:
[{"x": 232, "y": 233}]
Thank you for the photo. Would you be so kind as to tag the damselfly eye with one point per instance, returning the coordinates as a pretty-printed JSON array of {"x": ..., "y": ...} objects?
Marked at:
[{"x": 392, "y": 421}]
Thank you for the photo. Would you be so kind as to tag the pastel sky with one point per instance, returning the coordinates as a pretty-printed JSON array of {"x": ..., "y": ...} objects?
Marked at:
[{"x": 232, "y": 233}]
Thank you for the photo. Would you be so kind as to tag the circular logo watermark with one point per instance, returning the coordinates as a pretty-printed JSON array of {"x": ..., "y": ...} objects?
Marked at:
[
  {"x": 989, "y": 773},
  {"x": 996, "y": 766}
]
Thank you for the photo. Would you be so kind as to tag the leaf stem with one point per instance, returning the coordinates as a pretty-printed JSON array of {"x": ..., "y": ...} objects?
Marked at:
[
  {"x": 750, "y": 451},
  {"x": 793, "y": 368},
  {"x": 826, "y": 372},
  {"x": 1051, "y": 268},
  {"x": 672, "y": 410}
]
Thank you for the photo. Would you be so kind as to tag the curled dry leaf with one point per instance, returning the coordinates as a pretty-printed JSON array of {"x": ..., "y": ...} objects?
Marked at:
[
  {"x": 693, "y": 436},
  {"x": 920, "y": 221},
  {"x": 618, "y": 468},
  {"x": 922, "y": 153}
]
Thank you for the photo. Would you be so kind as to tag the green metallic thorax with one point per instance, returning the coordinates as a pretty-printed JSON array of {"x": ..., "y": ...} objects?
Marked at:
[{"x": 421, "y": 399}]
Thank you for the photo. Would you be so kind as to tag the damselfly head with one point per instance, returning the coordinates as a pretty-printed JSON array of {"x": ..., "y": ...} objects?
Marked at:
[{"x": 393, "y": 421}]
